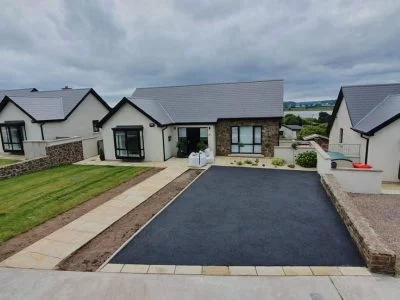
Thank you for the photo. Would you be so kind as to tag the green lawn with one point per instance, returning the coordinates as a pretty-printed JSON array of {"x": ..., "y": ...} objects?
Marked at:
[
  {"x": 29, "y": 200},
  {"x": 5, "y": 161}
]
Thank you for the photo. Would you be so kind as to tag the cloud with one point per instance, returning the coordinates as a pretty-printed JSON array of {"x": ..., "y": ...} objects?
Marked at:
[{"x": 115, "y": 46}]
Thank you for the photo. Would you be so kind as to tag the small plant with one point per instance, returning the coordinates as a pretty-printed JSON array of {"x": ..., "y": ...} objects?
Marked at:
[
  {"x": 181, "y": 147},
  {"x": 294, "y": 148},
  {"x": 101, "y": 154},
  {"x": 256, "y": 161},
  {"x": 278, "y": 162},
  {"x": 307, "y": 159},
  {"x": 239, "y": 163},
  {"x": 292, "y": 166},
  {"x": 241, "y": 145},
  {"x": 201, "y": 146},
  {"x": 248, "y": 161},
  {"x": 263, "y": 165}
]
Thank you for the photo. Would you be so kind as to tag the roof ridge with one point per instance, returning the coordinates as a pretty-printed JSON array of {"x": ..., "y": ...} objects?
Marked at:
[
  {"x": 29, "y": 96},
  {"x": 373, "y": 84},
  {"x": 17, "y": 89},
  {"x": 373, "y": 109},
  {"x": 201, "y": 84},
  {"x": 62, "y": 90},
  {"x": 169, "y": 116}
]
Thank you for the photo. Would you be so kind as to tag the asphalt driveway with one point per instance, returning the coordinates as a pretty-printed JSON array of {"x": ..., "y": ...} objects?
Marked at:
[{"x": 246, "y": 216}]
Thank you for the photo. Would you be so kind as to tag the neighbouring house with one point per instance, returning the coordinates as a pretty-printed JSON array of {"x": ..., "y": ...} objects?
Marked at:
[
  {"x": 290, "y": 131},
  {"x": 240, "y": 118},
  {"x": 16, "y": 92},
  {"x": 368, "y": 117},
  {"x": 48, "y": 115}
]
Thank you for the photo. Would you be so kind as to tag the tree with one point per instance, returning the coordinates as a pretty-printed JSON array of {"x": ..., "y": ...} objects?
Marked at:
[
  {"x": 291, "y": 119},
  {"x": 313, "y": 129},
  {"x": 324, "y": 117}
]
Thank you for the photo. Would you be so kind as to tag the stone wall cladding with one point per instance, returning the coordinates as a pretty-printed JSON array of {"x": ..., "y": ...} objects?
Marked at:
[
  {"x": 56, "y": 155},
  {"x": 377, "y": 255},
  {"x": 270, "y": 134}
]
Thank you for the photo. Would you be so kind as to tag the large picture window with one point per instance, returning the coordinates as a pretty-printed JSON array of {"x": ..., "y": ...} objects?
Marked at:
[
  {"x": 12, "y": 137},
  {"x": 128, "y": 142},
  {"x": 246, "y": 139}
]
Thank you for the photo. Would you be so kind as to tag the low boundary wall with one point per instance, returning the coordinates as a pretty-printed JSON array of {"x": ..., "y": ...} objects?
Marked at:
[
  {"x": 59, "y": 153},
  {"x": 377, "y": 255}
]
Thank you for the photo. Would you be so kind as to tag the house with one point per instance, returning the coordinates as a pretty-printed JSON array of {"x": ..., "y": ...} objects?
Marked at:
[
  {"x": 368, "y": 116},
  {"x": 16, "y": 92},
  {"x": 290, "y": 131},
  {"x": 240, "y": 118},
  {"x": 48, "y": 115}
]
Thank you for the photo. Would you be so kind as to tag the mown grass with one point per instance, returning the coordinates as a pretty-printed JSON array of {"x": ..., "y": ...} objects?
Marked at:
[
  {"x": 4, "y": 161},
  {"x": 29, "y": 200}
]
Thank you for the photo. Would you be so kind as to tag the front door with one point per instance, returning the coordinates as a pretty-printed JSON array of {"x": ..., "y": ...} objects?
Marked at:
[{"x": 193, "y": 138}]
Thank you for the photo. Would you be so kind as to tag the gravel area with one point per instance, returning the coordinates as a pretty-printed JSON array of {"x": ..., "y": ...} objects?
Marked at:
[{"x": 383, "y": 214}]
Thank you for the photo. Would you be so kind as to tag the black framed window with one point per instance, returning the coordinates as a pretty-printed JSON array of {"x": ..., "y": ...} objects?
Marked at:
[
  {"x": 95, "y": 124},
  {"x": 12, "y": 137},
  {"x": 341, "y": 135},
  {"x": 128, "y": 142},
  {"x": 246, "y": 139}
]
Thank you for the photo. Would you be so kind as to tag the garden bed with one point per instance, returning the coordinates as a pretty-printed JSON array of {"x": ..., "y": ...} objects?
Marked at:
[
  {"x": 383, "y": 215},
  {"x": 91, "y": 256},
  {"x": 21, "y": 241}
]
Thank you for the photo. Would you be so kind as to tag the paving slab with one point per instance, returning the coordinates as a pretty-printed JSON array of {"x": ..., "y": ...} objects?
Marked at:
[
  {"x": 297, "y": 271},
  {"x": 49, "y": 251},
  {"x": 325, "y": 271},
  {"x": 161, "y": 269},
  {"x": 243, "y": 270},
  {"x": 112, "y": 268},
  {"x": 138, "y": 269},
  {"x": 188, "y": 270},
  {"x": 355, "y": 271},
  {"x": 215, "y": 270},
  {"x": 269, "y": 271}
]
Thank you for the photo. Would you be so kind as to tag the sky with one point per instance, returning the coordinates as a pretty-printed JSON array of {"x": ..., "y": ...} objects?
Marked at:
[{"x": 116, "y": 46}]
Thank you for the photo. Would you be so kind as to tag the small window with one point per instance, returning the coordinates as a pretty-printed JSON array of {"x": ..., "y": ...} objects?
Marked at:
[
  {"x": 341, "y": 135},
  {"x": 95, "y": 124}
]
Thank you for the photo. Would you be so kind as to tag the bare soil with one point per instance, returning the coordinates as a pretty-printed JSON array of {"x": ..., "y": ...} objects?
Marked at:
[
  {"x": 383, "y": 215},
  {"x": 92, "y": 255},
  {"x": 31, "y": 236}
]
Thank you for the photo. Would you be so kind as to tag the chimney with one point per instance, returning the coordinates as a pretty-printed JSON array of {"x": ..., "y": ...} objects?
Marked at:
[{"x": 66, "y": 88}]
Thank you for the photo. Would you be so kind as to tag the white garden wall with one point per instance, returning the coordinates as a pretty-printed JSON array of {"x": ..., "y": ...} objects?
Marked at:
[
  {"x": 286, "y": 152},
  {"x": 364, "y": 181}
]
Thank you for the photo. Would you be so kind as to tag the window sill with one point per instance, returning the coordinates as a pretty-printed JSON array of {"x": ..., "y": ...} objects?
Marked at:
[{"x": 246, "y": 155}]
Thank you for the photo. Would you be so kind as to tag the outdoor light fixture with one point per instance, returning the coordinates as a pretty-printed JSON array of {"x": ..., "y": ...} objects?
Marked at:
[{"x": 152, "y": 124}]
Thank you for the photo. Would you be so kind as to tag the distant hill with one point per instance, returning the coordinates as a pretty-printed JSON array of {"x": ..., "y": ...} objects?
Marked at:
[{"x": 308, "y": 104}]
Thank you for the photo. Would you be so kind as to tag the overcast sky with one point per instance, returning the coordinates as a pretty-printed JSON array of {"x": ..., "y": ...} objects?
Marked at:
[{"x": 115, "y": 46}]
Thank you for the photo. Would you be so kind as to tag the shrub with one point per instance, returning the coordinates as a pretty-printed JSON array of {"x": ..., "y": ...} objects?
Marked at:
[
  {"x": 292, "y": 166},
  {"x": 278, "y": 161},
  {"x": 311, "y": 129},
  {"x": 248, "y": 161},
  {"x": 307, "y": 159},
  {"x": 239, "y": 163}
]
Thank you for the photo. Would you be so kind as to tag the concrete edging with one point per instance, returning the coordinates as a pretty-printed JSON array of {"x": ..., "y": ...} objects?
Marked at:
[{"x": 377, "y": 255}]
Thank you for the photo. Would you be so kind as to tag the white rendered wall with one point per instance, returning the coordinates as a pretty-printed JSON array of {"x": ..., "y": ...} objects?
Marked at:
[
  {"x": 79, "y": 123},
  {"x": 128, "y": 115},
  {"x": 384, "y": 151},
  {"x": 13, "y": 113},
  {"x": 288, "y": 134},
  {"x": 286, "y": 152},
  {"x": 349, "y": 136},
  {"x": 364, "y": 181}
]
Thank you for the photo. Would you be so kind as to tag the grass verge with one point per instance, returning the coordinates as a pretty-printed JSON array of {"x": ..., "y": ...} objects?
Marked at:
[{"x": 29, "y": 200}]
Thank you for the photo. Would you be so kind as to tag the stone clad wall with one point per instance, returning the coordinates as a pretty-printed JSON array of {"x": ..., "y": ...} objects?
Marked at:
[
  {"x": 57, "y": 155},
  {"x": 269, "y": 134}
]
